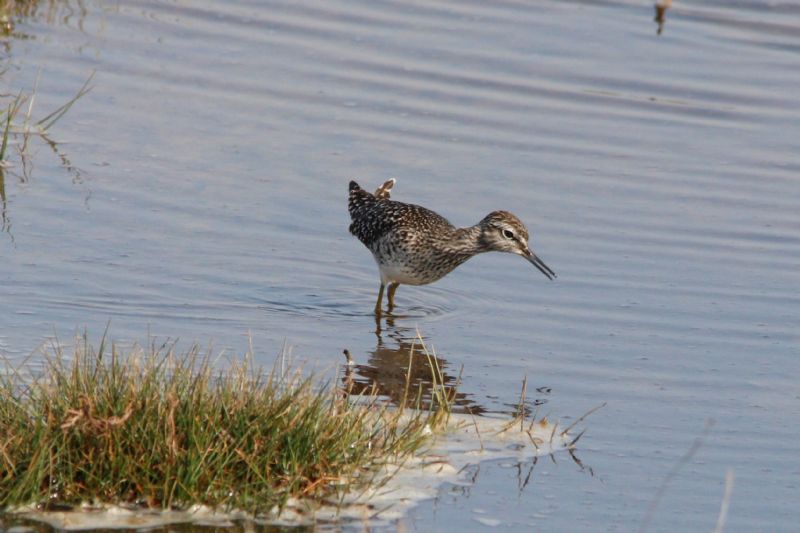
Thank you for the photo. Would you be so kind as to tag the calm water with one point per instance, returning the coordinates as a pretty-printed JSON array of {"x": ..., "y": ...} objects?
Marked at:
[{"x": 203, "y": 197}]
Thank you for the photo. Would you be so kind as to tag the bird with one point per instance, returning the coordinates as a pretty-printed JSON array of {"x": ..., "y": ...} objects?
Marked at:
[{"x": 413, "y": 245}]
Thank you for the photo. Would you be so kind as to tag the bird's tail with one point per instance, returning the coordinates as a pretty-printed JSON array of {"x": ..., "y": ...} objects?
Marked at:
[
  {"x": 360, "y": 201},
  {"x": 383, "y": 191}
]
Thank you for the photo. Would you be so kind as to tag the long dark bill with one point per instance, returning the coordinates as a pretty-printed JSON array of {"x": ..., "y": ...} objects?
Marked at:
[{"x": 538, "y": 263}]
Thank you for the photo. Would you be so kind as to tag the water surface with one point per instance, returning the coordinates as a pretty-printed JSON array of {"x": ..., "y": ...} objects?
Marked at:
[{"x": 204, "y": 198}]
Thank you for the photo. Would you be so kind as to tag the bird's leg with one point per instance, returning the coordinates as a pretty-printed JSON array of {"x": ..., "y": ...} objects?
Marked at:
[
  {"x": 380, "y": 300},
  {"x": 392, "y": 289}
]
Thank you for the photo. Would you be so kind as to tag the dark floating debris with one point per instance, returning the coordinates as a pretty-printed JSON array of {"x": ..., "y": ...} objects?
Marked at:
[{"x": 661, "y": 11}]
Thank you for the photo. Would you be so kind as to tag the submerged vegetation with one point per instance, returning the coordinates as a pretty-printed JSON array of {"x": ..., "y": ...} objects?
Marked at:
[{"x": 152, "y": 427}]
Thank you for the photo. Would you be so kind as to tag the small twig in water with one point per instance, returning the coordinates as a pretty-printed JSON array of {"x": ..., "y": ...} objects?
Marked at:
[
  {"x": 590, "y": 411},
  {"x": 521, "y": 413}
]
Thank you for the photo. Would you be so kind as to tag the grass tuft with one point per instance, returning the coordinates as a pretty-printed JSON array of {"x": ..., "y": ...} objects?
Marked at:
[
  {"x": 157, "y": 428},
  {"x": 40, "y": 128}
]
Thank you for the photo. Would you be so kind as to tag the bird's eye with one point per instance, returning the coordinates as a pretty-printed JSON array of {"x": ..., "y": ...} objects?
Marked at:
[{"x": 508, "y": 234}]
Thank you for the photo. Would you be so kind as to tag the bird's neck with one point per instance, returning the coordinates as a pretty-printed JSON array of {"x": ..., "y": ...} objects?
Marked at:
[{"x": 468, "y": 240}]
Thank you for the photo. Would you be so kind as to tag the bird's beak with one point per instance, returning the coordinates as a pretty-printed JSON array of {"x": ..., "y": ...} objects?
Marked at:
[{"x": 538, "y": 263}]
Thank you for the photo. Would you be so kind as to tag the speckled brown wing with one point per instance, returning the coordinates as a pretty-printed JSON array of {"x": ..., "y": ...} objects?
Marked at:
[{"x": 372, "y": 218}]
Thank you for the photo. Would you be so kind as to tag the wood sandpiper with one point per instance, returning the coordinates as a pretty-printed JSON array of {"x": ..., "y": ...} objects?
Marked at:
[{"x": 415, "y": 246}]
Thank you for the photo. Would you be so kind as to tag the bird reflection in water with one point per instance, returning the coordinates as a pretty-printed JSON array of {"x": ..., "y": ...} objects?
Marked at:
[
  {"x": 400, "y": 369},
  {"x": 387, "y": 374}
]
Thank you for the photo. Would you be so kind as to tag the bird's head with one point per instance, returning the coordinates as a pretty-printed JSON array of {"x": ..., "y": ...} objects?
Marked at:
[{"x": 502, "y": 231}]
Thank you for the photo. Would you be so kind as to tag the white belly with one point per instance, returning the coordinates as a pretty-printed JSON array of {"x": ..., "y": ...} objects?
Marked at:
[{"x": 399, "y": 274}]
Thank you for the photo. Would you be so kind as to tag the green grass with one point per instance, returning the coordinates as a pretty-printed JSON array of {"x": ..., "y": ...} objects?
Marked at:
[
  {"x": 10, "y": 118},
  {"x": 157, "y": 428}
]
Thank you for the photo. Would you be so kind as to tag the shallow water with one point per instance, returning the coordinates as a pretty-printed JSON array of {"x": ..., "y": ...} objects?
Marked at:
[{"x": 204, "y": 198}]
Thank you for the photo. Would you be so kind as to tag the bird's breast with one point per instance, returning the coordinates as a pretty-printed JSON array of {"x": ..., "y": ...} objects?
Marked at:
[{"x": 411, "y": 260}]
